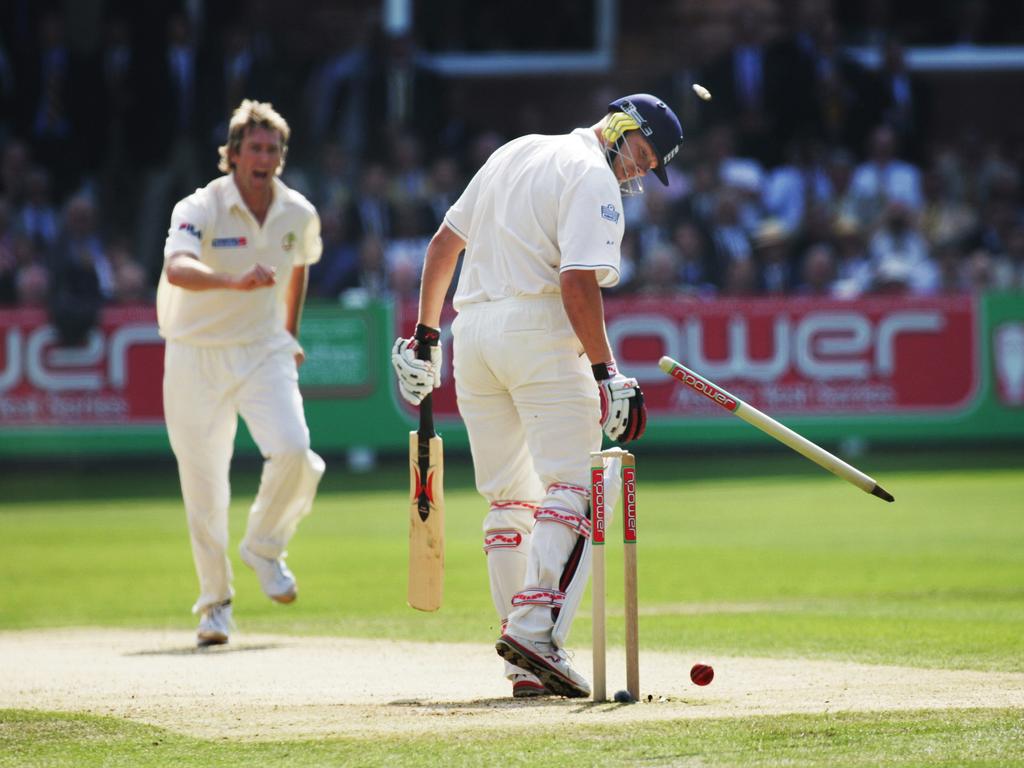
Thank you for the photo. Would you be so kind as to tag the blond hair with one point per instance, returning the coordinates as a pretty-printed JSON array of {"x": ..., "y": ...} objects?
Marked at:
[{"x": 252, "y": 114}]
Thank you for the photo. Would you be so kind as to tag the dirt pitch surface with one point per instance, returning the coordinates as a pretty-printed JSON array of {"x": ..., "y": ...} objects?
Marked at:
[{"x": 280, "y": 687}]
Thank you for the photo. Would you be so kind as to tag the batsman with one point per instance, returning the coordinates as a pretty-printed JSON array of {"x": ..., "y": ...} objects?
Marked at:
[{"x": 541, "y": 224}]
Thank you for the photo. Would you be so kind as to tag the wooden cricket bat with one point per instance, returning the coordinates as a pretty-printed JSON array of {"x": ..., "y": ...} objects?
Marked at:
[{"x": 426, "y": 509}]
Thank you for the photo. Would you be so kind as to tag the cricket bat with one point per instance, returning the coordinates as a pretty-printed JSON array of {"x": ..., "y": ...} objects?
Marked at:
[{"x": 426, "y": 509}]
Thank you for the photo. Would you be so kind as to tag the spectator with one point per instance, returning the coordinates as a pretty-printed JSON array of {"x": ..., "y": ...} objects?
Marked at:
[
  {"x": 899, "y": 257},
  {"x": 740, "y": 279},
  {"x": 853, "y": 272},
  {"x": 335, "y": 95},
  {"x": 15, "y": 170},
  {"x": 83, "y": 279},
  {"x": 905, "y": 101},
  {"x": 774, "y": 259},
  {"x": 818, "y": 271},
  {"x": 38, "y": 218},
  {"x": 728, "y": 238},
  {"x": 979, "y": 272},
  {"x": 443, "y": 187},
  {"x": 372, "y": 280},
  {"x": 333, "y": 181},
  {"x": 33, "y": 285},
  {"x": 949, "y": 260},
  {"x": 408, "y": 246},
  {"x": 883, "y": 177},
  {"x": 1010, "y": 264},
  {"x": 131, "y": 284},
  {"x": 338, "y": 268},
  {"x": 747, "y": 82},
  {"x": 840, "y": 168},
  {"x": 371, "y": 211},
  {"x": 697, "y": 271},
  {"x": 659, "y": 271},
  {"x": 745, "y": 175},
  {"x": 168, "y": 84},
  {"x": 789, "y": 188},
  {"x": 117, "y": 178},
  {"x": 838, "y": 90},
  {"x": 408, "y": 177},
  {"x": 55, "y": 86},
  {"x": 701, "y": 202},
  {"x": 943, "y": 217}
]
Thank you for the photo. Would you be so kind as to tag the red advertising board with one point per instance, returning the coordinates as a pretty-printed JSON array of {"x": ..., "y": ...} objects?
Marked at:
[
  {"x": 113, "y": 378},
  {"x": 876, "y": 355}
]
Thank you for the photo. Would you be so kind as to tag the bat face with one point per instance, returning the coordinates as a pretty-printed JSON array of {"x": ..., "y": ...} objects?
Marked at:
[{"x": 426, "y": 521}]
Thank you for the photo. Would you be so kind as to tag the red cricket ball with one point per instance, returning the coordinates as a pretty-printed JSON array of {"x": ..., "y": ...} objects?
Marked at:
[{"x": 702, "y": 674}]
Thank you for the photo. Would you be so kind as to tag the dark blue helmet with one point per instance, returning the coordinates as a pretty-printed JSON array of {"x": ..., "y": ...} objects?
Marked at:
[{"x": 658, "y": 124}]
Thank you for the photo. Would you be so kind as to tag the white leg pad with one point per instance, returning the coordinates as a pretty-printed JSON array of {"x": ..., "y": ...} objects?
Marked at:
[
  {"x": 508, "y": 529},
  {"x": 561, "y": 521}
]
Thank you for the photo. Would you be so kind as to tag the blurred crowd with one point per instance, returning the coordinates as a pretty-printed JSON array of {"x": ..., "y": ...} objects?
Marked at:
[{"x": 807, "y": 173}]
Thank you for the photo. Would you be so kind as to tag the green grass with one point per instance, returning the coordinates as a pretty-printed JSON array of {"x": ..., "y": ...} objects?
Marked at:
[
  {"x": 927, "y": 738},
  {"x": 752, "y": 555}
]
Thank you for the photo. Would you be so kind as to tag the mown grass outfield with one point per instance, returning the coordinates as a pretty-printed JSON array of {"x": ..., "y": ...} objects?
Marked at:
[{"x": 757, "y": 556}]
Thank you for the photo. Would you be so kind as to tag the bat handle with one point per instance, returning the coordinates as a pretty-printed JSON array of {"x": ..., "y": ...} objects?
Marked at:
[{"x": 427, "y": 404}]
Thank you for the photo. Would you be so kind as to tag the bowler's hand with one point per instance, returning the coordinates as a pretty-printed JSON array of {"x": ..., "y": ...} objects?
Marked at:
[{"x": 255, "y": 277}]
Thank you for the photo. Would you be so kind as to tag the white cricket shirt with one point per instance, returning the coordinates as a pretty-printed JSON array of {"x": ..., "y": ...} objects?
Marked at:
[
  {"x": 214, "y": 225},
  {"x": 539, "y": 206}
]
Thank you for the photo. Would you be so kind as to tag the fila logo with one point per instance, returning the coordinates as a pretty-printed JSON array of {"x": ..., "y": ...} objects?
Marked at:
[{"x": 191, "y": 229}]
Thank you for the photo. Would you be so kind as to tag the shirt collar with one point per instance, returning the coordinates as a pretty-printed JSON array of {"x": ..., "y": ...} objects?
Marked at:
[{"x": 233, "y": 198}]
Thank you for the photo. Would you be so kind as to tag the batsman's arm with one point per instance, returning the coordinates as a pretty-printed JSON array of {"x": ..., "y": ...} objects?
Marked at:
[
  {"x": 584, "y": 305},
  {"x": 438, "y": 268}
]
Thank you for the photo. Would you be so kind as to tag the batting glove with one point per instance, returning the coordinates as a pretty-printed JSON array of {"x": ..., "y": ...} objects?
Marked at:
[
  {"x": 623, "y": 414},
  {"x": 417, "y": 377}
]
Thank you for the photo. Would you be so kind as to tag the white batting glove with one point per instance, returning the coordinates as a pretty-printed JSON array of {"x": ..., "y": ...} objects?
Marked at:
[
  {"x": 623, "y": 413},
  {"x": 417, "y": 378}
]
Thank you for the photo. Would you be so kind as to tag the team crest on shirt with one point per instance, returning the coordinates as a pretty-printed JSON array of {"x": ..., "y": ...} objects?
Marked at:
[
  {"x": 288, "y": 241},
  {"x": 608, "y": 212}
]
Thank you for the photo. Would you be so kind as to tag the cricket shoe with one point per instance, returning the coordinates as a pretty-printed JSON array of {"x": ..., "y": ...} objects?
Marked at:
[
  {"x": 214, "y": 625},
  {"x": 527, "y": 686},
  {"x": 550, "y": 664},
  {"x": 276, "y": 580}
]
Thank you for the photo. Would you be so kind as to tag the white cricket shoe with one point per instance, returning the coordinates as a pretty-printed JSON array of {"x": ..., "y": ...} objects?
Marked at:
[
  {"x": 276, "y": 580},
  {"x": 550, "y": 664},
  {"x": 214, "y": 624},
  {"x": 527, "y": 686}
]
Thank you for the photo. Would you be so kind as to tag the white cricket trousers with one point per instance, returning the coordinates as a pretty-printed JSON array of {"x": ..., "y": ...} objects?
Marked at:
[
  {"x": 528, "y": 398},
  {"x": 205, "y": 390}
]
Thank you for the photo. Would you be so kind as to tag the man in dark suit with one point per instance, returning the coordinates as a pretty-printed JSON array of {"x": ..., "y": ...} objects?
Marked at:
[{"x": 747, "y": 83}]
